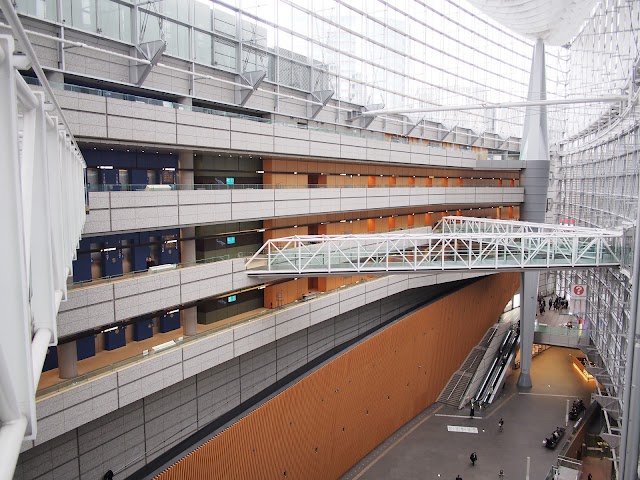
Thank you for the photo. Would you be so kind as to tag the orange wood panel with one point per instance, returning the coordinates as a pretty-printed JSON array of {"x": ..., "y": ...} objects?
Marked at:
[
  {"x": 326, "y": 422},
  {"x": 392, "y": 223},
  {"x": 285, "y": 293}
]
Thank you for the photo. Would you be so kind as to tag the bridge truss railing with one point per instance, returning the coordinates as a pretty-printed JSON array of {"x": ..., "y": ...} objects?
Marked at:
[{"x": 478, "y": 246}]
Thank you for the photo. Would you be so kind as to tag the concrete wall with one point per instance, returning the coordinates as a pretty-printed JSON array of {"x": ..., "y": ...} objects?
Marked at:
[
  {"x": 126, "y": 418},
  {"x": 94, "y": 117},
  {"x": 126, "y": 211},
  {"x": 90, "y": 399},
  {"x": 96, "y": 305}
]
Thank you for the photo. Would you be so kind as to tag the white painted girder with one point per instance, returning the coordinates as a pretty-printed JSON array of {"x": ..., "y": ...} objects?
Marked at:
[{"x": 458, "y": 244}]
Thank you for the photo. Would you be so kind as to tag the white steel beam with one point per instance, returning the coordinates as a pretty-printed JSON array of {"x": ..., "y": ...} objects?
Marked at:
[{"x": 481, "y": 106}]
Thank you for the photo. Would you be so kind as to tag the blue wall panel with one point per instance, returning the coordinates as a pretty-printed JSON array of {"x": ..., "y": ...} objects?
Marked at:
[
  {"x": 112, "y": 259},
  {"x": 82, "y": 264},
  {"x": 138, "y": 179},
  {"x": 143, "y": 329},
  {"x": 86, "y": 347},
  {"x": 114, "y": 339},
  {"x": 51, "y": 360},
  {"x": 169, "y": 322}
]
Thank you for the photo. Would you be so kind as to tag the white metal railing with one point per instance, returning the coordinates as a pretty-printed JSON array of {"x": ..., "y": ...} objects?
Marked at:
[
  {"x": 42, "y": 193},
  {"x": 483, "y": 244}
]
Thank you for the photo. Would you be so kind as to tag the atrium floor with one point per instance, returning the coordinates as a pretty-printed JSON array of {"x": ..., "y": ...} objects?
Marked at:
[{"x": 425, "y": 449}]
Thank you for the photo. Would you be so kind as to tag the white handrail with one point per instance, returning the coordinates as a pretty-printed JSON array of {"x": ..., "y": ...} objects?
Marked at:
[{"x": 42, "y": 191}]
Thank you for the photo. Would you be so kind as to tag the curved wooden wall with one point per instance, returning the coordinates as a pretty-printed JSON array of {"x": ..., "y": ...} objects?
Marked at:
[{"x": 322, "y": 425}]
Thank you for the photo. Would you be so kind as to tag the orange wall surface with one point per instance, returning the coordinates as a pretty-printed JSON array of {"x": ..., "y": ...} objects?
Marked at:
[{"x": 325, "y": 423}]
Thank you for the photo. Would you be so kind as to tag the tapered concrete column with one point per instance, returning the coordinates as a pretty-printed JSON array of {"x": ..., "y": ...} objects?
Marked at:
[
  {"x": 190, "y": 320},
  {"x": 528, "y": 305},
  {"x": 68, "y": 360},
  {"x": 187, "y": 245},
  {"x": 534, "y": 152}
]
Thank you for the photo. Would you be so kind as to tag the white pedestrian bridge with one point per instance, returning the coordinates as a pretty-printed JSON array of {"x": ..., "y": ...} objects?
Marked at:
[{"x": 455, "y": 244}]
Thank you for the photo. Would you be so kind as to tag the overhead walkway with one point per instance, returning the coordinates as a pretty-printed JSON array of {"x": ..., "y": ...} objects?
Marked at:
[{"x": 455, "y": 244}]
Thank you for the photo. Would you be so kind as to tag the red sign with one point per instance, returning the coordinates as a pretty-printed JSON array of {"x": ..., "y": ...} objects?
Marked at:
[{"x": 578, "y": 290}]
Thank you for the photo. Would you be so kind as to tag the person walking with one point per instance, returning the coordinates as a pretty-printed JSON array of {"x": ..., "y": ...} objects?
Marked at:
[
  {"x": 472, "y": 412},
  {"x": 473, "y": 457},
  {"x": 501, "y": 474},
  {"x": 500, "y": 424},
  {"x": 589, "y": 477},
  {"x": 458, "y": 477}
]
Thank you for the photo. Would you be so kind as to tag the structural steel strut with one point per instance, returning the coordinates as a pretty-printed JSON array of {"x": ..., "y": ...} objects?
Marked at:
[{"x": 456, "y": 244}]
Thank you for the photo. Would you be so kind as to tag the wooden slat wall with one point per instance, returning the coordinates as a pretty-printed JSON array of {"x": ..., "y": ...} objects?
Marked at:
[{"x": 325, "y": 423}]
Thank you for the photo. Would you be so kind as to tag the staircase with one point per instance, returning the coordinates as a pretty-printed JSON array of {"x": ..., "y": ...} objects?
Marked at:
[{"x": 460, "y": 380}]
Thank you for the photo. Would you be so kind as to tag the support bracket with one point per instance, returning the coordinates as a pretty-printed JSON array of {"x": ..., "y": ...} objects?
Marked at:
[
  {"x": 364, "y": 121},
  {"x": 410, "y": 128},
  {"x": 151, "y": 51},
  {"x": 612, "y": 440},
  {"x": 252, "y": 80},
  {"x": 449, "y": 132},
  {"x": 610, "y": 404},
  {"x": 320, "y": 96}
]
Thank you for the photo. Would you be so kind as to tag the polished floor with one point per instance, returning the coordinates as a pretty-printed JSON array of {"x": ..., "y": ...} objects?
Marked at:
[{"x": 426, "y": 448}]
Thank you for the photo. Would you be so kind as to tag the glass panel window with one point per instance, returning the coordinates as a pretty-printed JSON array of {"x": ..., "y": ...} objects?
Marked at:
[
  {"x": 204, "y": 14},
  {"x": 125, "y": 23},
  {"x": 38, "y": 8},
  {"x": 177, "y": 9},
  {"x": 82, "y": 14},
  {"x": 224, "y": 54},
  {"x": 224, "y": 21},
  {"x": 114, "y": 20},
  {"x": 177, "y": 37},
  {"x": 204, "y": 48}
]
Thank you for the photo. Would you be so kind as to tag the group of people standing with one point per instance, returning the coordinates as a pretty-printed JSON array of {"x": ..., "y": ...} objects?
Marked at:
[{"x": 557, "y": 303}]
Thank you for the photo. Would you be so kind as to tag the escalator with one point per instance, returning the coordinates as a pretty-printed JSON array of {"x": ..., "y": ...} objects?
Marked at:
[{"x": 499, "y": 367}]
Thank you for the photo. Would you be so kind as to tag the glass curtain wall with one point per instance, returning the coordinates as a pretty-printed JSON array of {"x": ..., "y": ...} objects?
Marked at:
[
  {"x": 599, "y": 168},
  {"x": 405, "y": 53}
]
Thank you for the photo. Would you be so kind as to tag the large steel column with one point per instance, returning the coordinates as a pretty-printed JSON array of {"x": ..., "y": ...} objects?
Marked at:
[
  {"x": 534, "y": 152},
  {"x": 631, "y": 424},
  {"x": 630, "y": 438},
  {"x": 528, "y": 305}
]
